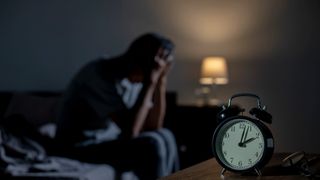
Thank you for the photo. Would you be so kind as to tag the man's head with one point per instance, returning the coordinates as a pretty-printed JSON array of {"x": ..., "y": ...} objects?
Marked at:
[{"x": 143, "y": 50}]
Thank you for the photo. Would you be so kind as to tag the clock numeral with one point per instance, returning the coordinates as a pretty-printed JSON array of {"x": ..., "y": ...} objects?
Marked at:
[
  {"x": 222, "y": 143},
  {"x": 225, "y": 153},
  {"x": 250, "y": 128},
  {"x": 233, "y": 129},
  {"x": 257, "y": 154},
  {"x": 226, "y": 135},
  {"x": 250, "y": 161},
  {"x": 231, "y": 159},
  {"x": 242, "y": 126},
  {"x": 260, "y": 145},
  {"x": 240, "y": 163},
  {"x": 257, "y": 134}
]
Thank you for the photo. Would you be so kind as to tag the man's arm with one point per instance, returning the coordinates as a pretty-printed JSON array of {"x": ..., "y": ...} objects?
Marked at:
[
  {"x": 150, "y": 115},
  {"x": 142, "y": 108},
  {"x": 156, "y": 114},
  {"x": 132, "y": 122}
]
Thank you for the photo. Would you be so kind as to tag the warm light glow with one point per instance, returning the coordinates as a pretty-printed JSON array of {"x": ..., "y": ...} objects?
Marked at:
[{"x": 214, "y": 71}]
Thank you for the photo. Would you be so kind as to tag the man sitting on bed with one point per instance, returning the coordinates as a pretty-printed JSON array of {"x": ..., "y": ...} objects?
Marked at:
[{"x": 113, "y": 111}]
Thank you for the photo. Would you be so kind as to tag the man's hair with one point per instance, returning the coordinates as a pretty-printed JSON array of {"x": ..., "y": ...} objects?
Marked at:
[{"x": 143, "y": 50}]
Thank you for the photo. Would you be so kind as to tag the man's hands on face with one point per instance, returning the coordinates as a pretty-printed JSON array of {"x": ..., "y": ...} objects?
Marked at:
[
  {"x": 163, "y": 64},
  {"x": 158, "y": 70}
]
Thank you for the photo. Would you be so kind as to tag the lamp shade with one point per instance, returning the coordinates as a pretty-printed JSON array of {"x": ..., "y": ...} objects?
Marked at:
[{"x": 214, "y": 71}]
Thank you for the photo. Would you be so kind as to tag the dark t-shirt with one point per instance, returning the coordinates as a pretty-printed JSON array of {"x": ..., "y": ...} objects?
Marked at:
[{"x": 92, "y": 96}]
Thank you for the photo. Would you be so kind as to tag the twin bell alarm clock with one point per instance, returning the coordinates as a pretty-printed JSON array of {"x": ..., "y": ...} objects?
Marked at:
[{"x": 240, "y": 143}]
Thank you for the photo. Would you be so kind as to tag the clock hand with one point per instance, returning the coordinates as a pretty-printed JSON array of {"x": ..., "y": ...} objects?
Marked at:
[
  {"x": 241, "y": 140},
  {"x": 249, "y": 140},
  {"x": 246, "y": 134},
  {"x": 244, "y": 137}
]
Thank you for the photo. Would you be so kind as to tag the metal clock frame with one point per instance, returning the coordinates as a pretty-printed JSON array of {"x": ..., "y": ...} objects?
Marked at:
[
  {"x": 266, "y": 133},
  {"x": 268, "y": 145}
]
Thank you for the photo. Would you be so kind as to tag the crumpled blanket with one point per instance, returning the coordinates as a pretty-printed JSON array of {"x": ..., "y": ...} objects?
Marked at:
[
  {"x": 19, "y": 153},
  {"x": 21, "y": 156}
]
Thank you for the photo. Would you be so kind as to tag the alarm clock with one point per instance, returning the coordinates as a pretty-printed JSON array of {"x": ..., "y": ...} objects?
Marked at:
[{"x": 243, "y": 144}]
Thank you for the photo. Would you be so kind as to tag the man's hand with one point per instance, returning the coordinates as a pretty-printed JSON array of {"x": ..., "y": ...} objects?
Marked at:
[
  {"x": 163, "y": 61},
  {"x": 168, "y": 59},
  {"x": 159, "y": 69}
]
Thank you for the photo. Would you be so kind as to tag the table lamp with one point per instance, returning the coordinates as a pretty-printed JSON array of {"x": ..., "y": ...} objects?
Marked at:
[{"x": 214, "y": 72}]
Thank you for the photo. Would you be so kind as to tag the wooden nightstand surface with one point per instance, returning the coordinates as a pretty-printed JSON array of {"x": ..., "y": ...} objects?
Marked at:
[{"x": 210, "y": 169}]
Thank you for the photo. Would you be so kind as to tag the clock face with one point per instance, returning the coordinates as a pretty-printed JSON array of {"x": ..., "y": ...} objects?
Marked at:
[{"x": 239, "y": 144}]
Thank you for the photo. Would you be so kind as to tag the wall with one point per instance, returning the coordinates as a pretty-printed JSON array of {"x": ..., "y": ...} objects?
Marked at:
[{"x": 271, "y": 47}]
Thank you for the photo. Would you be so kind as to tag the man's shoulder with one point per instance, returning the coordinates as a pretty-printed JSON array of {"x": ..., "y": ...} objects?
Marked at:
[{"x": 93, "y": 68}]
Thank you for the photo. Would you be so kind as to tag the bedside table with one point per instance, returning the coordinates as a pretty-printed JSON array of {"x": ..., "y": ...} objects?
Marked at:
[
  {"x": 193, "y": 127},
  {"x": 210, "y": 169}
]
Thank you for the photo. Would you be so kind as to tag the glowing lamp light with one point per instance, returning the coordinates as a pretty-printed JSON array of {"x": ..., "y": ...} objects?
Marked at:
[{"x": 214, "y": 71}]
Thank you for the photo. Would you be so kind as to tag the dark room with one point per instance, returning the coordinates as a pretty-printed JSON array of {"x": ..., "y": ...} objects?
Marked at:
[{"x": 152, "y": 89}]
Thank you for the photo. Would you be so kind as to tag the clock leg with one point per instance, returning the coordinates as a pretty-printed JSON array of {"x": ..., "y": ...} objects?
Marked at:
[
  {"x": 258, "y": 171},
  {"x": 222, "y": 173}
]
